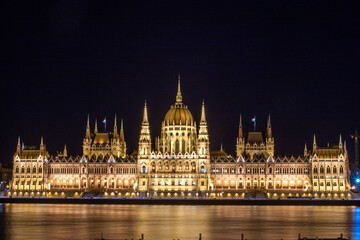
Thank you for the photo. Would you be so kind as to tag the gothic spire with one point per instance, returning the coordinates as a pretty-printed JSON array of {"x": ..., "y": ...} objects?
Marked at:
[
  {"x": 269, "y": 132},
  {"x": 240, "y": 128},
  {"x": 203, "y": 118},
  {"x": 96, "y": 129},
  {"x": 314, "y": 143},
  {"x": 87, "y": 134},
  {"x": 115, "y": 128},
  {"x": 18, "y": 148},
  {"x": 122, "y": 131},
  {"x": 305, "y": 150},
  {"x": 178, "y": 95},
  {"x": 340, "y": 141},
  {"x": 145, "y": 117},
  {"x": 65, "y": 151},
  {"x": 221, "y": 147}
]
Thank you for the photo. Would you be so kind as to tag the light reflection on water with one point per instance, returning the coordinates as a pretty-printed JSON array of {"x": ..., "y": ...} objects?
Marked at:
[{"x": 157, "y": 222}]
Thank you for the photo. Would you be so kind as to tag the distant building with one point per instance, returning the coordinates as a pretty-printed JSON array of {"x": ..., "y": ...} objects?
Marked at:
[{"x": 181, "y": 164}]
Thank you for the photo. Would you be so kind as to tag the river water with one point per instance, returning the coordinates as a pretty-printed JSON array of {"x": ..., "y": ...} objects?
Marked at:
[{"x": 166, "y": 222}]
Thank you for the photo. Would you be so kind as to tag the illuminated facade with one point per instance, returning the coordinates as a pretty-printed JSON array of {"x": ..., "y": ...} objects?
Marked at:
[{"x": 180, "y": 164}]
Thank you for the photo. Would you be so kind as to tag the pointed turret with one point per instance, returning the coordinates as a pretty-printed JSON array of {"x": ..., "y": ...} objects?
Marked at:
[
  {"x": 314, "y": 143},
  {"x": 42, "y": 146},
  {"x": 65, "y": 151},
  {"x": 115, "y": 128},
  {"x": 203, "y": 118},
  {"x": 122, "y": 138},
  {"x": 145, "y": 116},
  {"x": 145, "y": 137},
  {"x": 221, "y": 147},
  {"x": 240, "y": 128},
  {"x": 340, "y": 142},
  {"x": 87, "y": 134},
  {"x": 178, "y": 95},
  {"x": 269, "y": 132},
  {"x": 203, "y": 138},
  {"x": 18, "y": 148},
  {"x": 305, "y": 150},
  {"x": 96, "y": 129}
]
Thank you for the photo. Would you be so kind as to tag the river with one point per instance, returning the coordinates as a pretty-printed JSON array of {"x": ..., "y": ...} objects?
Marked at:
[{"x": 165, "y": 222}]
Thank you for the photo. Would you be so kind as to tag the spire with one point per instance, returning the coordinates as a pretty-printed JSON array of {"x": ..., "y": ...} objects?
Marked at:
[
  {"x": 87, "y": 134},
  {"x": 221, "y": 147},
  {"x": 203, "y": 118},
  {"x": 145, "y": 117},
  {"x": 42, "y": 147},
  {"x": 314, "y": 143},
  {"x": 115, "y": 128},
  {"x": 122, "y": 131},
  {"x": 269, "y": 132},
  {"x": 18, "y": 148},
  {"x": 65, "y": 151},
  {"x": 178, "y": 95},
  {"x": 240, "y": 128},
  {"x": 305, "y": 150},
  {"x": 340, "y": 141},
  {"x": 96, "y": 130}
]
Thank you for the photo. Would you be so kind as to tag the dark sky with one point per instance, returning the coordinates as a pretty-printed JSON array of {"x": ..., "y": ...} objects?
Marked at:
[{"x": 297, "y": 60}]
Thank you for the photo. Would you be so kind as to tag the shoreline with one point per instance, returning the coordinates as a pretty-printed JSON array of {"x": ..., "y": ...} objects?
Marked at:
[{"x": 138, "y": 201}]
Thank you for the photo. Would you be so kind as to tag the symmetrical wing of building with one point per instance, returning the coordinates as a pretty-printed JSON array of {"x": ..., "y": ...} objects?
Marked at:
[{"x": 181, "y": 165}]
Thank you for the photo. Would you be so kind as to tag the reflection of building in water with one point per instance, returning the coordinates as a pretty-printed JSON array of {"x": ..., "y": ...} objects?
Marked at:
[{"x": 180, "y": 164}]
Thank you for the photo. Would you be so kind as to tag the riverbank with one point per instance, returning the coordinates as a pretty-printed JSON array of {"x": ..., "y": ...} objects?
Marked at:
[{"x": 299, "y": 202}]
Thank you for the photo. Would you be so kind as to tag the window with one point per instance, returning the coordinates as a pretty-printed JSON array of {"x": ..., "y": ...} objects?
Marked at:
[
  {"x": 17, "y": 170},
  {"x": 334, "y": 170},
  {"x": 321, "y": 169},
  {"x": 315, "y": 170},
  {"x": 341, "y": 169},
  {"x": 202, "y": 169},
  {"x": 34, "y": 169},
  {"x": 328, "y": 169},
  {"x": 143, "y": 170}
]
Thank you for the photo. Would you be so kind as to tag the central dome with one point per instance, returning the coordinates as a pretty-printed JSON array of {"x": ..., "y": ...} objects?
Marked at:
[{"x": 178, "y": 114}]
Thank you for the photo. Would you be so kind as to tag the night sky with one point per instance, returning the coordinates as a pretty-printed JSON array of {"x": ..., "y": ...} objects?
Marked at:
[{"x": 297, "y": 60}]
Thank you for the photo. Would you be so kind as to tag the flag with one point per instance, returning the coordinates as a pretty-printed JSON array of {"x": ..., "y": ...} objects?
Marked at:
[
  {"x": 104, "y": 121},
  {"x": 253, "y": 119}
]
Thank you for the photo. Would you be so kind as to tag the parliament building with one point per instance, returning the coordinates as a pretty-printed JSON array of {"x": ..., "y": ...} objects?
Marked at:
[{"x": 180, "y": 164}]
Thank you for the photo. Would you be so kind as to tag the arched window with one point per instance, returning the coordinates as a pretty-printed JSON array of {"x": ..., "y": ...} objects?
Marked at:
[
  {"x": 315, "y": 170},
  {"x": 143, "y": 170},
  {"x": 111, "y": 170},
  {"x": 17, "y": 169},
  {"x": 240, "y": 170},
  {"x": 28, "y": 170},
  {"x": 40, "y": 169},
  {"x": 334, "y": 170},
  {"x": 321, "y": 169},
  {"x": 202, "y": 169},
  {"x": 270, "y": 170},
  {"x": 328, "y": 170},
  {"x": 34, "y": 169},
  {"x": 177, "y": 147},
  {"x": 341, "y": 169}
]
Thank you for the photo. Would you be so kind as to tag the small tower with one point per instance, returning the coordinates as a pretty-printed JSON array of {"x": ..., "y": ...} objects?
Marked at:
[
  {"x": 42, "y": 146},
  {"x": 96, "y": 129},
  {"x": 65, "y": 151},
  {"x": 122, "y": 143},
  {"x": 314, "y": 144},
  {"x": 87, "y": 134},
  {"x": 18, "y": 147},
  {"x": 240, "y": 141},
  {"x": 178, "y": 95},
  {"x": 203, "y": 138},
  {"x": 268, "y": 129},
  {"x": 115, "y": 134},
  {"x": 305, "y": 151},
  {"x": 145, "y": 138}
]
